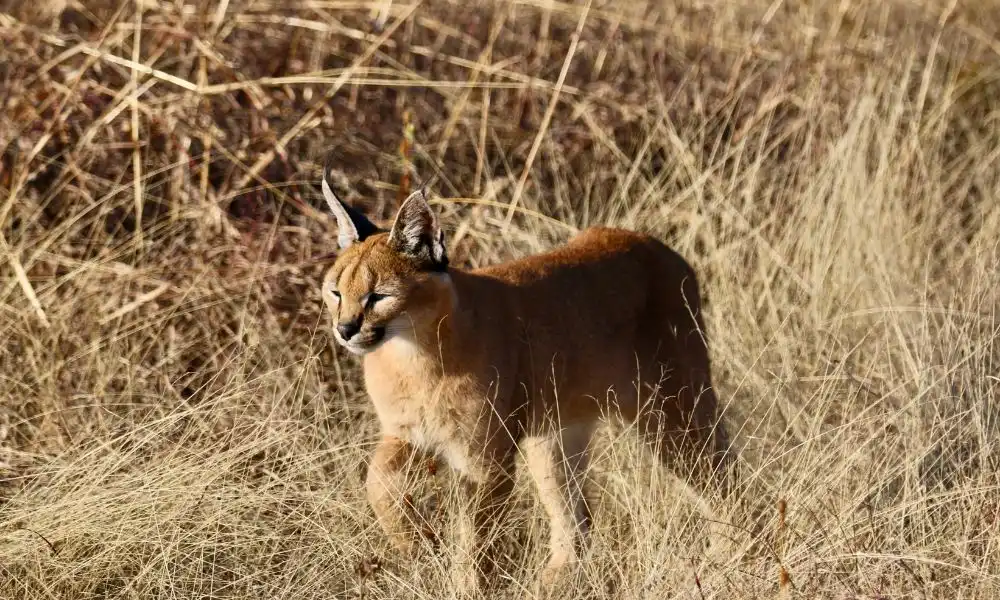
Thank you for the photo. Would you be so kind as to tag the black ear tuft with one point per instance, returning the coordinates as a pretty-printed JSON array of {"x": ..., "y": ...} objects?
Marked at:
[
  {"x": 352, "y": 226},
  {"x": 417, "y": 234}
]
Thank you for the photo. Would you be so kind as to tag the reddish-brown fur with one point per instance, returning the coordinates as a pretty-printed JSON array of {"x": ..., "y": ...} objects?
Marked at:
[{"x": 525, "y": 356}]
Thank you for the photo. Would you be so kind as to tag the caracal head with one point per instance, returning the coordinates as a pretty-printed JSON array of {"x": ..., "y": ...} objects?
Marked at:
[{"x": 384, "y": 283}]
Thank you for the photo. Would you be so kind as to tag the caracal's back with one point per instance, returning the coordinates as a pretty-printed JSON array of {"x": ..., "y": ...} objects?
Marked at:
[{"x": 596, "y": 319}]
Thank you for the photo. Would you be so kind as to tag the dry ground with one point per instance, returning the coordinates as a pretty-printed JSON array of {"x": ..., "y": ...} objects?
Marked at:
[{"x": 176, "y": 422}]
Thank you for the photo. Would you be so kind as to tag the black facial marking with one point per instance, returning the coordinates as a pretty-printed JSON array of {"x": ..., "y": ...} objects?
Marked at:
[{"x": 373, "y": 297}]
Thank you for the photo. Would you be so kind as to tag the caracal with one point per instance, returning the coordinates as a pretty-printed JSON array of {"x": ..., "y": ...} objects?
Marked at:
[{"x": 524, "y": 357}]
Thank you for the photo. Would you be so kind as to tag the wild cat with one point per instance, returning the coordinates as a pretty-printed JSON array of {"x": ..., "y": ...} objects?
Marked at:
[{"x": 520, "y": 358}]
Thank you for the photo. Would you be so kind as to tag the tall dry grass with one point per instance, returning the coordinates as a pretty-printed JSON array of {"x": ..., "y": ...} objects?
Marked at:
[{"x": 176, "y": 422}]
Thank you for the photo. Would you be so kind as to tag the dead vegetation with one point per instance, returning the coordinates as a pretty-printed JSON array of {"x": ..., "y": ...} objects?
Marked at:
[{"x": 175, "y": 420}]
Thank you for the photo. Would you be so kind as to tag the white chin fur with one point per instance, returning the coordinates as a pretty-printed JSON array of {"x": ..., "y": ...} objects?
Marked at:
[
  {"x": 388, "y": 337},
  {"x": 352, "y": 348},
  {"x": 357, "y": 350}
]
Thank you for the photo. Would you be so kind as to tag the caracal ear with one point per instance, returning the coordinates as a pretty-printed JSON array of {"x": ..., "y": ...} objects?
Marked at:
[
  {"x": 416, "y": 232},
  {"x": 352, "y": 226}
]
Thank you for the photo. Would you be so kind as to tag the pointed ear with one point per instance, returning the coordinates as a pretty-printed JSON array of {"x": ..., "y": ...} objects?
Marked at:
[
  {"x": 352, "y": 226},
  {"x": 416, "y": 232}
]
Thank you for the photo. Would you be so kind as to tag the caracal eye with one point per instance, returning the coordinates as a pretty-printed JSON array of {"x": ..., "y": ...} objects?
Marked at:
[
  {"x": 333, "y": 292},
  {"x": 374, "y": 297}
]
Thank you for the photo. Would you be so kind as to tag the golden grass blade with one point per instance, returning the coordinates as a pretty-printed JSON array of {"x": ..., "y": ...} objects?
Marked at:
[
  {"x": 547, "y": 118},
  {"x": 140, "y": 300},
  {"x": 22, "y": 280}
]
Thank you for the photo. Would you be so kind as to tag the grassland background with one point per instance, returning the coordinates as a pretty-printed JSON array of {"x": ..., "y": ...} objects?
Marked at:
[{"x": 176, "y": 421}]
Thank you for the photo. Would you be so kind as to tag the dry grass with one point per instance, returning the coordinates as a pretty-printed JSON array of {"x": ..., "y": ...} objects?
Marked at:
[{"x": 175, "y": 421}]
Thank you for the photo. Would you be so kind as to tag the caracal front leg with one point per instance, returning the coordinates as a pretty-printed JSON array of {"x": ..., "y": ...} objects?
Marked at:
[
  {"x": 387, "y": 493},
  {"x": 557, "y": 463},
  {"x": 478, "y": 567}
]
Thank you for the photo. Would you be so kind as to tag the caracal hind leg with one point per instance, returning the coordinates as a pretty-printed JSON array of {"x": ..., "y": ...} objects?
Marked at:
[
  {"x": 685, "y": 435},
  {"x": 688, "y": 440},
  {"x": 386, "y": 487},
  {"x": 557, "y": 463}
]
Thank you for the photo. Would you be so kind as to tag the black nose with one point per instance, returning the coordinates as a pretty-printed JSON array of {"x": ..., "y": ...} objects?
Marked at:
[{"x": 347, "y": 330}]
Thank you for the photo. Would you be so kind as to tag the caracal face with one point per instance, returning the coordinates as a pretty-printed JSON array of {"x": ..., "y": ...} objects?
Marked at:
[
  {"x": 381, "y": 280},
  {"x": 371, "y": 292}
]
